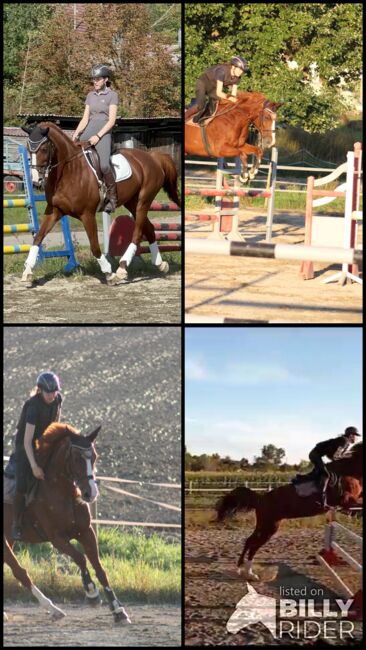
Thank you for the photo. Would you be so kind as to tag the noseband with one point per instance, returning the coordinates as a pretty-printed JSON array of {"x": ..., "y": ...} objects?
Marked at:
[{"x": 87, "y": 454}]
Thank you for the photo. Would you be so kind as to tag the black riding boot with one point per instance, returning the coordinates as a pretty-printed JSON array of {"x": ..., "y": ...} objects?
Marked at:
[
  {"x": 18, "y": 509},
  {"x": 323, "y": 487},
  {"x": 110, "y": 184}
]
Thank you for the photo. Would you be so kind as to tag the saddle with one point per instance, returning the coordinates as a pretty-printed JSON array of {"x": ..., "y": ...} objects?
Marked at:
[
  {"x": 120, "y": 167},
  {"x": 119, "y": 164},
  {"x": 307, "y": 484},
  {"x": 203, "y": 117},
  {"x": 10, "y": 483}
]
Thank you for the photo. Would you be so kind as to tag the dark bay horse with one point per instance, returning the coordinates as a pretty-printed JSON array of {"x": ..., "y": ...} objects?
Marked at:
[
  {"x": 226, "y": 133},
  {"x": 285, "y": 502},
  {"x": 60, "y": 512},
  {"x": 71, "y": 189}
]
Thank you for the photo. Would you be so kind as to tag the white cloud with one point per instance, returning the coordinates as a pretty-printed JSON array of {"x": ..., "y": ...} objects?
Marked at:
[{"x": 242, "y": 374}]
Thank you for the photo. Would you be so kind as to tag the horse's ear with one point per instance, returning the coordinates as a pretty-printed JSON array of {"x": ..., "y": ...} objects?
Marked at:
[
  {"x": 26, "y": 129},
  {"x": 91, "y": 437}
]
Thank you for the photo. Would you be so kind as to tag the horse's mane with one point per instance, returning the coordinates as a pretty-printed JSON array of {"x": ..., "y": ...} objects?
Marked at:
[
  {"x": 246, "y": 100},
  {"x": 247, "y": 96},
  {"x": 54, "y": 433}
]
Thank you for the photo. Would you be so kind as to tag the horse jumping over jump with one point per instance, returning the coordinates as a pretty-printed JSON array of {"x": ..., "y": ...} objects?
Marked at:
[
  {"x": 72, "y": 189},
  {"x": 226, "y": 133},
  {"x": 284, "y": 502},
  {"x": 60, "y": 512}
]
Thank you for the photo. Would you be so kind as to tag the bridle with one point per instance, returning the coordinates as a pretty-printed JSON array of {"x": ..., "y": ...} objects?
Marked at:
[
  {"x": 34, "y": 146},
  {"x": 87, "y": 454}
]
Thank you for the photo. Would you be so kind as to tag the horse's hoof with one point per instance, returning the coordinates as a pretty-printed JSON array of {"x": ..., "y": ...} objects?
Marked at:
[
  {"x": 27, "y": 278},
  {"x": 113, "y": 280},
  {"x": 121, "y": 616},
  {"x": 57, "y": 614},
  {"x": 244, "y": 179},
  {"x": 121, "y": 273},
  {"x": 163, "y": 267}
]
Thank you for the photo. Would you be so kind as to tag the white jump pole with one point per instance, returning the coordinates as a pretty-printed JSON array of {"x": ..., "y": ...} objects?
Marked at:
[{"x": 274, "y": 251}]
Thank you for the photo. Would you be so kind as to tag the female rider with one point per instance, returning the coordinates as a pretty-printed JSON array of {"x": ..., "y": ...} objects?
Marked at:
[
  {"x": 96, "y": 125},
  {"x": 39, "y": 411},
  {"x": 212, "y": 82}
]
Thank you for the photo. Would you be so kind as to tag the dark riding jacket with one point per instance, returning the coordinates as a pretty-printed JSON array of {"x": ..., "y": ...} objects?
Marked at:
[
  {"x": 36, "y": 411},
  {"x": 333, "y": 448}
]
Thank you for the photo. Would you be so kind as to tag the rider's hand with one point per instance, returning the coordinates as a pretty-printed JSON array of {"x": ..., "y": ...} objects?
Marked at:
[
  {"x": 38, "y": 472},
  {"x": 233, "y": 99},
  {"x": 94, "y": 140}
]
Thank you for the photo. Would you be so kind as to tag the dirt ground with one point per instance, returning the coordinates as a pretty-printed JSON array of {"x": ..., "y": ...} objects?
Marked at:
[
  {"x": 213, "y": 587},
  {"x": 29, "y": 625},
  {"x": 145, "y": 299},
  {"x": 265, "y": 289}
]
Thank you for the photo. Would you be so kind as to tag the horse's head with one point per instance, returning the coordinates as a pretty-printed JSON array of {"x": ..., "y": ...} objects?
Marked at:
[
  {"x": 262, "y": 115},
  {"x": 41, "y": 149},
  {"x": 80, "y": 464},
  {"x": 63, "y": 453}
]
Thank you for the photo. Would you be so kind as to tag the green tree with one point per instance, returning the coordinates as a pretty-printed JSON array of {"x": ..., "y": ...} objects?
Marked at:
[{"x": 282, "y": 43}]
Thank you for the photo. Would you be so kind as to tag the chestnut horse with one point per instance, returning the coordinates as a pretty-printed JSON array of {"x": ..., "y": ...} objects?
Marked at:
[
  {"x": 60, "y": 512},
  {"x": 226, "y": 133},
  {"x": 71, "y": 189},
  {"x": 285, "y": 502}
]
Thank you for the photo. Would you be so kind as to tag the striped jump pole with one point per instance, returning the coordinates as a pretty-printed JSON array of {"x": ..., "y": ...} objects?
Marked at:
[
  {"x": 227, "y": 192},
  {"x": 274, "y": 251},
  {"x": 17, "y": 248},
  {"x": 225, "y": 220},
  {"x": 199, "y": 319},
  {"x": 333, "y": 555},
  {"x": 29, "y": 202},
  {"x": 19, "y": 227}
]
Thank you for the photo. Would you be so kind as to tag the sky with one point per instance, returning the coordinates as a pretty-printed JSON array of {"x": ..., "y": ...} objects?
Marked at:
[{"x": 246, "y": 387}]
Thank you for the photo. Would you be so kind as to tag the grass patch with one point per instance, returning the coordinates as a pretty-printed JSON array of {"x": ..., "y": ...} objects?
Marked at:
[{"x": 139, "y": 568}]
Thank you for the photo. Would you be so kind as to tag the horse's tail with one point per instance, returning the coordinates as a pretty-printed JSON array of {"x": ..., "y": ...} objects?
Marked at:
[
  {"x": 171, "y": 176},
  {"x": 239, "y": 499}
]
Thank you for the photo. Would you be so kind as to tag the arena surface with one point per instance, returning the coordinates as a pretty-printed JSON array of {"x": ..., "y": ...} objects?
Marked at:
[{"x": 265, "y": 289}]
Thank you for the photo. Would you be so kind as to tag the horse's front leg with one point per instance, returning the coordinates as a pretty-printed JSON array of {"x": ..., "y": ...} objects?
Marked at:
[
  {"x": 89, "y": 222},
  {"x": 244, "y": 176},
  {"x": 89, "y": 542},
  {"x": 258, "y": 153},
  {"x": 23, "y": 577},
  {"x": 51, "y": 217},
  {"x": 63, "y": 545}
]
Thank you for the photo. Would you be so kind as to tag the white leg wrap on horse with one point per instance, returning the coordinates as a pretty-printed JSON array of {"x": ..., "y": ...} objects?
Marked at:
[
  {"x": 155, "y": 254},
  {"x": 129, "y": 254},
  {"x": 46, "y": 602},
  {"x": 32, "y": 257},
  {"x": 104, "y": 264}
]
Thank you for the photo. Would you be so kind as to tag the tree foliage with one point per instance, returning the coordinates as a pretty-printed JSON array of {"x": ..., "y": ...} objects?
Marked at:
[
  {"x": 48, "y": 62},
  {"x": 282, "y": 41}
]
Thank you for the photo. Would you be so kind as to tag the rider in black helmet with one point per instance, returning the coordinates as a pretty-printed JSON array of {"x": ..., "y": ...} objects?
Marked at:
[
  {"x": 212, "y": 82},
  {"x": 96, "y": 125},
  {"x": 39, "y": 411},
  {"x": 333, "y": 448}
]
